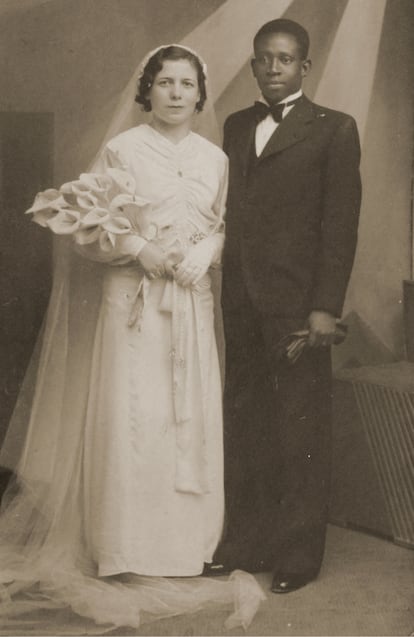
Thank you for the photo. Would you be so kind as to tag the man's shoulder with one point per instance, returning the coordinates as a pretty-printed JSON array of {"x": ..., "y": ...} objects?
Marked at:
[
  {"x": 239, "y": 117},
  {"x": 330, "y": 114},
  {"x": 319, "y": 111}
]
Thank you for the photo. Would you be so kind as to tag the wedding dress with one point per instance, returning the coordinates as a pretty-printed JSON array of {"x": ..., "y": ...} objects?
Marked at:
[{"x": 119, "y": 490}]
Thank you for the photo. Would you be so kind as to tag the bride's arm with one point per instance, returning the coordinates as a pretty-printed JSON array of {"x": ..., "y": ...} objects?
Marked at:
[
  {"x": 219, "y": 207},
  {"x": 127, "y": 248},
  {"x": 207, "y": 252}
]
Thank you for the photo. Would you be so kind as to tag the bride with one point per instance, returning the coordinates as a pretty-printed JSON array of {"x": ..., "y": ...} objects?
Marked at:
[{"x": 120, "y": 474}]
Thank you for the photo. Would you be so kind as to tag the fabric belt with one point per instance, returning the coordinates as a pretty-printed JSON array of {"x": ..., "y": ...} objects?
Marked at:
[{"x": 191, "y": 464}]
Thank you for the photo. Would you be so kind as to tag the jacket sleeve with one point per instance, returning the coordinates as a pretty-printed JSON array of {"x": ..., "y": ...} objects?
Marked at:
[
  {"x": 226, "y": 135},
  {"x": 341, "y": 189}
]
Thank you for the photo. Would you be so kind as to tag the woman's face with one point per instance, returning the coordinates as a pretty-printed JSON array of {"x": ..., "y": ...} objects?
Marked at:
[{"x": 174, "y": 93}]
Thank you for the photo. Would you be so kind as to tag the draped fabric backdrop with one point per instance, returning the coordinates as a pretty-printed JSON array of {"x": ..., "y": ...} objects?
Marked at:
[{"x": 74, "y": 59}]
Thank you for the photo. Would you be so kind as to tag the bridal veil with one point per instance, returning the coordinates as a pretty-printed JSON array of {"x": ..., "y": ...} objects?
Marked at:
[{"x": 44, "y": 564}]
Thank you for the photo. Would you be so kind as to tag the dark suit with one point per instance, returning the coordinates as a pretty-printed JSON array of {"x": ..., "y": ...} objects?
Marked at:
[{"x": 291, "y": 234}]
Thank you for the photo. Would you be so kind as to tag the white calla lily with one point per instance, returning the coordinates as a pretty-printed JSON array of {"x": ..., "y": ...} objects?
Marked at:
[
  {"x": 119, "y": 201},
  {"x": 50, "y": 198},
  {"x": 125, "y": 182},
  {"x": 74, "y": 188},
  {"x": 117, "y": 225},
  {"x": 42, "y": 217},
  {"x": 87, "y": 234},
  {"x": 96, "y": 182},
  {"x": 87, "y": 201},
  {"x": 95, "y": 207},
  {"x": 106, "y": 241},
  {"x": 65, "y": 222},
  {"x": 95, "y": 217}
]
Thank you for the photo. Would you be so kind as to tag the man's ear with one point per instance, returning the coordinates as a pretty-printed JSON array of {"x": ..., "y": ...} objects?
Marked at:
[
  {"x": 306, "y": 67},
  {"x": 252, "y": 61}
]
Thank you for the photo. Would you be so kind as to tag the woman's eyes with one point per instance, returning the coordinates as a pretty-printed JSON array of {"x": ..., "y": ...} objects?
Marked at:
[{"x": 186, "y": 83}]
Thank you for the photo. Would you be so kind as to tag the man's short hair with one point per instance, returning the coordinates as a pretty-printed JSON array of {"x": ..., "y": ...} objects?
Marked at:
[{"x": 283, "y": 25}]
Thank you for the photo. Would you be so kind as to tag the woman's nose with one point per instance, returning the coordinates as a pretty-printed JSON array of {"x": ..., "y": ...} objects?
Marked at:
[{"x": 175, "y": 91}]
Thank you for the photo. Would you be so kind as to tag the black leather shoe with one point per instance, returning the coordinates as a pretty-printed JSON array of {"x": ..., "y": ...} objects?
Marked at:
[
  {"x": 288, "y": 582},
  {"x": 212, "y": 569}
]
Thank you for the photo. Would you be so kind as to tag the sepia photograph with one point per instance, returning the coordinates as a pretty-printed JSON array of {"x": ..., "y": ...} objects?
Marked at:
[{"x": 206, "y": 318}]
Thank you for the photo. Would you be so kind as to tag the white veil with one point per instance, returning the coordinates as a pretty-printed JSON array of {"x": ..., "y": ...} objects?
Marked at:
[
  {"x": 44, "y": 565},
  {"x": 126, "y": 113}
]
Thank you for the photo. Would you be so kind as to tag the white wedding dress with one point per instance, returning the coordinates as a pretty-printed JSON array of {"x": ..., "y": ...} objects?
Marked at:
[
  {"x": 121, "y": 468},
  {"x": 154, "y": 478}
]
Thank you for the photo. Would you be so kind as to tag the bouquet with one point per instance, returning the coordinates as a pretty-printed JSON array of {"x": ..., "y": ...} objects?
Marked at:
[{"x": 95, "y": 207}]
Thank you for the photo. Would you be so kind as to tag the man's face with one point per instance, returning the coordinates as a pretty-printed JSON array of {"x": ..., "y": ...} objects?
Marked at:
[{"x": 278, "y": 67}]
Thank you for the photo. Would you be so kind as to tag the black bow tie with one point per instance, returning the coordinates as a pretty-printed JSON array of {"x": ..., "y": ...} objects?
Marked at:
[{"x": 262, "y": 110}]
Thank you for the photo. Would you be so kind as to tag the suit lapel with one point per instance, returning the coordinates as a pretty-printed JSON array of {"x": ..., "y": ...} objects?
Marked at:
[{"x": 293, "y": 128}]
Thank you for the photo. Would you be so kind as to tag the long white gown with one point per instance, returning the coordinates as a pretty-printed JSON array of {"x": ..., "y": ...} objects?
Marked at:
[
  {"x": 154, "y": 477},
  {"x": 121, "y": 468}
]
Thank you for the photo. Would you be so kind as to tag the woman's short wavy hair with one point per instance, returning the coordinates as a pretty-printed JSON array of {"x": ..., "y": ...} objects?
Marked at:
[{"x": 154, "y": 66}]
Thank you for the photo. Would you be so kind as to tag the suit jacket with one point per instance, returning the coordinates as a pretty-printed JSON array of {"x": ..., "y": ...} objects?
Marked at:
[{"x": 292, "y": 213}]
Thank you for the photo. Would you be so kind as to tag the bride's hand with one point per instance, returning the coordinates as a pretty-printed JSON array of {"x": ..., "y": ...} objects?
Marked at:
[
  {"x": 171, "y": 263},
  {"x": 153, "y": 260},
  {"x": 169, "y": 268},
  {"x": 194, "y": 265}
]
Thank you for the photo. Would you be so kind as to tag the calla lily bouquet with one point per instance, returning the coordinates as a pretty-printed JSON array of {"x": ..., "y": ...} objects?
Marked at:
[{"x": 95, "y": 207}]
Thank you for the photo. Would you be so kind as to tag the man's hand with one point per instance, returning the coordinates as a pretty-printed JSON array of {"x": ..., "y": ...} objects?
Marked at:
[
  {"x": 321, "y": 329},
  {"x": 153, "y": 260}
]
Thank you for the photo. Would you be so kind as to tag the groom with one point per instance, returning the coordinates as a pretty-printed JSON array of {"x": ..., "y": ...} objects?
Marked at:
[{"x": 291, "y": 232}]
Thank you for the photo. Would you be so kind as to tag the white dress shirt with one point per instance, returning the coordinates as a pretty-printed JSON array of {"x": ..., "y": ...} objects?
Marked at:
[{"x": 266, "y": 128}]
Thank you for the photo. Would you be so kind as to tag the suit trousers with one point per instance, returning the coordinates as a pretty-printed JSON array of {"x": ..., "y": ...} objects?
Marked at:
[{"x": 277, "y": 442}]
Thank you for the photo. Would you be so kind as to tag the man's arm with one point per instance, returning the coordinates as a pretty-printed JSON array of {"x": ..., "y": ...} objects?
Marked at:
[
  {"x": 341, "y": 205},
  {"x": 226, "y": 135}
]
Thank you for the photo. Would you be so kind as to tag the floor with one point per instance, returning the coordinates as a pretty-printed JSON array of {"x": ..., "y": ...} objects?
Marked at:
[{"x": 366, "y": 587}]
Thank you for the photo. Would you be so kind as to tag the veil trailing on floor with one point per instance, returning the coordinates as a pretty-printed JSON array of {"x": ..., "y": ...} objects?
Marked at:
[{"x": 45, "y": 567}]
